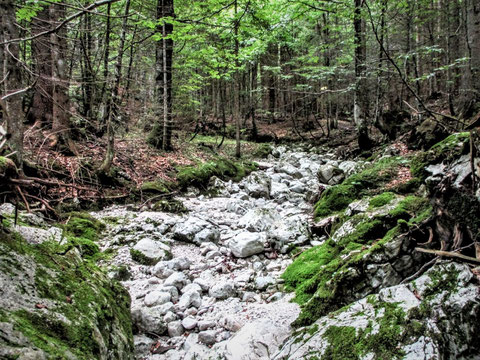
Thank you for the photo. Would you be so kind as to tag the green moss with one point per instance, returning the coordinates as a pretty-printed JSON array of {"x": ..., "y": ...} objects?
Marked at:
[
  {"x": 381, "y": 200},
  {"x": 156, "y": 187},
  {"x": 329, "y": 276},
  {"x": 223, "y": 168},
  {"x": 262, "y": 151},
  {"x": 140, "y": 258},
  {"x": 346, "y": 342},
  {"x": 445, "y": 151},
  {"x": 409, "y": 206},
  {"x": 86, "y": 303},
  {"x": 172, "y": 206},
  {"x": 83, "y": 225},
  {"x": 367, "y": 182},
  {"x": 334, "y": 199}
]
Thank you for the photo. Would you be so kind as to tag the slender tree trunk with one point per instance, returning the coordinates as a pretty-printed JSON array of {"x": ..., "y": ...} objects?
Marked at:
[
  {"x": 42, "y": 106},
  {"x": 60, "y": 84},
  {"x": 360, "y": 104},
  {"x": 236, "y": 91},
  {"x": 13, "y": 82},
  {"x": 114, "y": 101},
  {"x": 105, "y": 107},
  {"x": 167, "y": 29}
]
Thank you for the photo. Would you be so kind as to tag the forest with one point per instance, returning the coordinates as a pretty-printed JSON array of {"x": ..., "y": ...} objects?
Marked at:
[{"x": 173, "y": 173}]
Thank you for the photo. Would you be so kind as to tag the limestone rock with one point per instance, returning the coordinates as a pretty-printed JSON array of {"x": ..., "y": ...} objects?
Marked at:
[{"x": 247, "y": 244}]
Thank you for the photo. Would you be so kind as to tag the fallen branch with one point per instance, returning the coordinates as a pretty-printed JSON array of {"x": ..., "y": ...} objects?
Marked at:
[{"x": 449, "y": 254}]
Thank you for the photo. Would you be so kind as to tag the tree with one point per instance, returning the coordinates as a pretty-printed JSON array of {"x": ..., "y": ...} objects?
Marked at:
[
  {"x": 360, "y": 101},
  {"x": 13, "y": 81}
]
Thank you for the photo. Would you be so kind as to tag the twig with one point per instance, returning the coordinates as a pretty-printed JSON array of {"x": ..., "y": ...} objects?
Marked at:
[
  {"x": 23, "y": 197},
  {"x": 44, "y": 202},
  {"x": 424, "y": 268},
  {"x": 449, "y": 254}
]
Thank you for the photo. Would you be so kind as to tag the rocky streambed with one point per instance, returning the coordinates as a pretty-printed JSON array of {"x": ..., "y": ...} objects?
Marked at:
[
  {"x": 210, "y": 278},
  {"x": 210, "y": 282}
]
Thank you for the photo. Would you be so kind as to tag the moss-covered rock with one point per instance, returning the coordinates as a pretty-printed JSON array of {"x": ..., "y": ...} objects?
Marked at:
[
  {"x": 172, "y": 206},
  {"x": 445, "y": 151},
  {"x": 82, "y": 225},
  {"x": 222, "y": 168},
  {"x": 435, "y": 316},
  {"x": 361, "y": 257},
  {"x": 61, "y": 303},
  {"x": 368, "y": 182}
]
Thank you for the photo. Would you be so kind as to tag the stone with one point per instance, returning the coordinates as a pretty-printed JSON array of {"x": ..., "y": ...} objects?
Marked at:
[
  {"x": 258, "y": 220},
  {"x": 153, "y": 250},
  {"x": 330, "y": 174},
  {"x": 179, "y": 264},
  {"x": 161, "y": 270},
  {"x": 177, "y": 279},
  {"x": 157, "y": 298},
  {"x": 186, "y": 230},
  {"x": 222, "y": 291},
  {"x": 257, "y": 185},
  {"x": 7, "y": 209},
  {"x": 189, "y": 323},
  {"x": 34, "y": 235},
  {"x": 207, "y": 337},
  {"x": 262, "y": 282},
  {"x": 206, "y": 324},
  {"x": 247, "y": 244},
  {"x": 207, "y": 235},
  {"x": 149, "y": 319},
  {"x": 175, "y": 328},
  {"x": 189, "y": 298}
]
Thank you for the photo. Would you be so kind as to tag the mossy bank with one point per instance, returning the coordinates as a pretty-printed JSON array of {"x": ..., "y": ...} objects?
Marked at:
[{"x": 56, "y": 303}]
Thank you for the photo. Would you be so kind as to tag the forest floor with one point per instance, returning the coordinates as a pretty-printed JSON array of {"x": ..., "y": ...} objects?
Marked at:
[{"x": 72, "y": 180}]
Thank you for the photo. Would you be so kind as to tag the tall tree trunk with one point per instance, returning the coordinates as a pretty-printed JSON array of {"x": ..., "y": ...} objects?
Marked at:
[
  {"x": 113, "y": 110},
  {"x": 42, "y": 106},
  {"x": 360, "y": 104},
  {"x": 13, "y": 82},
  {"x": 167, "y": 43},
  {"x": 236, "y": 91},
  {"x": 60, "y": 84},
  {"x": 161, "y": 134}
]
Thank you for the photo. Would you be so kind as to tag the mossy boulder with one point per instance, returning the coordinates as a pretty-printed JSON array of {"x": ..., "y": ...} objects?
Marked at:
[
  {"x": 370, "y": 181},
  {"x": 82, "y": 225},
  {"x": 223, "y": 168},
  {"x": 445, "y": 151},
  {"x": 366, "y": 252},
  {"x": 60, "y": 304},
  {"x": 432, "y": 317}
]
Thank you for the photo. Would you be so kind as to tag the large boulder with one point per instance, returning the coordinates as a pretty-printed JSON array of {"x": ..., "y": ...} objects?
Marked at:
[
  {"x": 247, "y": 244},
  {"x": 149, "y": 252},
  {"x": 330, "y": 174},
  {"x": 186, "y": 230},
  {"x": 432, "y": 317},
  {"x": 257, "y": 185},
  {"x": 258, "y": 220}
]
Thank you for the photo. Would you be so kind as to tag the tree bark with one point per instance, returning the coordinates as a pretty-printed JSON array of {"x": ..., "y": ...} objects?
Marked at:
[
  {"x": 13, "y": 82},
  {"x": 113, "y": 111},
  {"x": 360, "y": 101}
]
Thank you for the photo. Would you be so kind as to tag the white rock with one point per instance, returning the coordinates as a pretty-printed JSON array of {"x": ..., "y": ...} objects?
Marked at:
[
  {"x": 189, "y": 323},
  {"x": 246, "y": 244}
]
